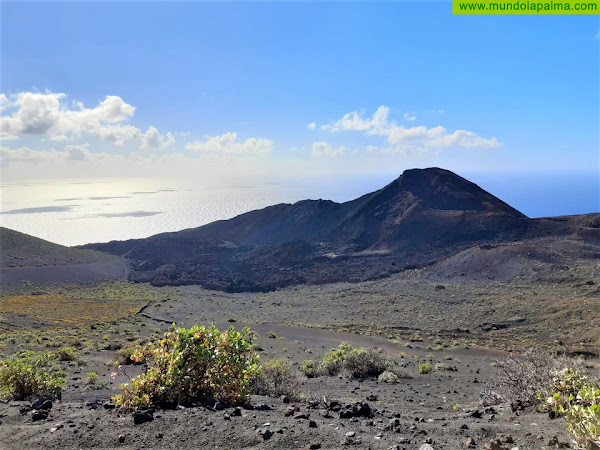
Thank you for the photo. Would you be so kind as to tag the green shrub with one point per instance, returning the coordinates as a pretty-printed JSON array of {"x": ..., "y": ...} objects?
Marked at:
[
  {"x": 91, "y": 381},
  {"x": 30, "y": 374},
  {"x": 388, "y": 377},
  {"x": 190, "y": 365},
  {"x": 358, "y": 363},
  {"x": 309, "y": 368},
  {"x": 125, "y": 353},
  {"x": 362, "y": 363},
  {"x": 277, "y": 378},
  {"x": 333, "y": 361},
  {"x": 67, "y": 353},
  {"x": 578, "y": 401},
  {"x": 425, "y": 368}
]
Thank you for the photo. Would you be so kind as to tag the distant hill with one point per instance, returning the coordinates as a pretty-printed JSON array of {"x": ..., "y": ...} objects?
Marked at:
[
  {"x": 420, "y": 218},
  {"x": 22, "y": 250},
  {"x": 27, "y": 258}
]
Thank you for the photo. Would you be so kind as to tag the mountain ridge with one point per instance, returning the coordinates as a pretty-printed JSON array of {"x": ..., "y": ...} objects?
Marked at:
[{"x": 422, "y": 217}]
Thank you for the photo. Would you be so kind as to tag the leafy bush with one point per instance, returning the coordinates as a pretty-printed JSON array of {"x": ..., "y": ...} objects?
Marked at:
[
  {"x": 425, "y": 368},
  {"x": 357, "y": 362},
  {"x": 388, "y": 377},
  {"x": 277, "y": 378},
  {"x": 333, "y": 361},
  {"x": 526, "y": 378},
  {"x": 309, "y": 368},
  {"x": 125, "y": 353},
  {"x": 91, "y": 381},
  {"x": 67, "y": 353},
  {"x": 30, "y": 374},
  {"x": 578, "y": 401},
  {"x": 191, "y": 365}
]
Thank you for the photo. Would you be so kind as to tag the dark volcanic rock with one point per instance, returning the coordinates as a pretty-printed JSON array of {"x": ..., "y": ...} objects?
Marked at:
[
  {"x": 140, "y": 417},
  {"x": 265, "y": 433},
  {"x": 39, "y": 415},
  {"x": 42, "y": 403},
  {"x": 424, "y": 216}
]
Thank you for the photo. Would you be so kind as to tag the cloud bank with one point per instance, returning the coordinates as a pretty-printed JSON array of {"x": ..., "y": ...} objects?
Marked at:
[
  {"x": 401, "y": 139},
  {"x": 47, "y": 114},
  {"x": 228, "y": 144}
]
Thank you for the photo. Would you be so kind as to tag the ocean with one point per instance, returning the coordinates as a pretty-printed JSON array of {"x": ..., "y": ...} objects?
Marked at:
[{"x": 73, "y": 211}]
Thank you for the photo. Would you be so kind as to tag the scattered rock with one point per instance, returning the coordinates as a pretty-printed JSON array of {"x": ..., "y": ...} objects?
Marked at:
[
  {"x": 218, "y": 406},
  {"x": 335, "y": 406},
  {"x": 476, "y": 414},
  {"x": 265, "y": 433},
  {"x": 508, "y": 439},
  {"x": 41, "y": 414},
  {"x": 517, "y": 406},
  {"x": 284, "y": 399},
  {"x": 469, "y": 442},
  {"x": 121, "y": 438},
  {"x": 359, "y": 409},
  {"x": 426, "y": 447},
  {"x": 494, "y": 444},
  {"x": 109, "y": 405},
  {"x": 312, "y": 424},
  {"x": 24, "y": 410},
  {"x": 237, "y": 412},
  {"x": 301, "y": 416},
  {"x": 42, "y": 403},
  {"x": 261, "y": 407},
  {"x": 140, "y": 417},
  {"x": 314, "y": 446}
]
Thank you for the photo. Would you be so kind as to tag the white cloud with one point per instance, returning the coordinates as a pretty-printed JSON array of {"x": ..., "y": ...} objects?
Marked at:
[
  {"x": 4, "y": 102},
  {"x": 227, "y": 144},
  {"x": 47, "y": 114},
  {"x": 409, "y": 116},
  {"x": 312, "y": 126},
  {"x": 77, "y": 152},
  {"x": 59, "y": 138},
  {"x": 69, "y": 153},
  {"x": 327, "y": 150},
  {"x": 403, "y": 138}
]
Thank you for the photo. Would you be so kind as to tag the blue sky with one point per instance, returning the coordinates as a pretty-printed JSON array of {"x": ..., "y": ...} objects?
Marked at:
[{"x": 293, "y": 88}]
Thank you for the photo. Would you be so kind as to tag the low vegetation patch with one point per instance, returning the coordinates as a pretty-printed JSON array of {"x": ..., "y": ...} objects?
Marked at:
[
  {"x": 425, "y": 368},
  {"x": 67, "y": 353},
  {"x": 526, "y": 378},
  {"x": 577, "y": 399},
  {"x": 355, "y": 362},
  {"x": 550, "y": 382},
  {"x": 30, "y": 374},
  {"x": 277, "y": 378},
  {"x": 190, "y": 365}
]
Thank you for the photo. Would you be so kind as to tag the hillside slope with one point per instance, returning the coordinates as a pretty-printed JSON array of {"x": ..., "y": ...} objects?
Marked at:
[
  {"x": 27, "y": 258},
  {"x": 420, "y": 218}
]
